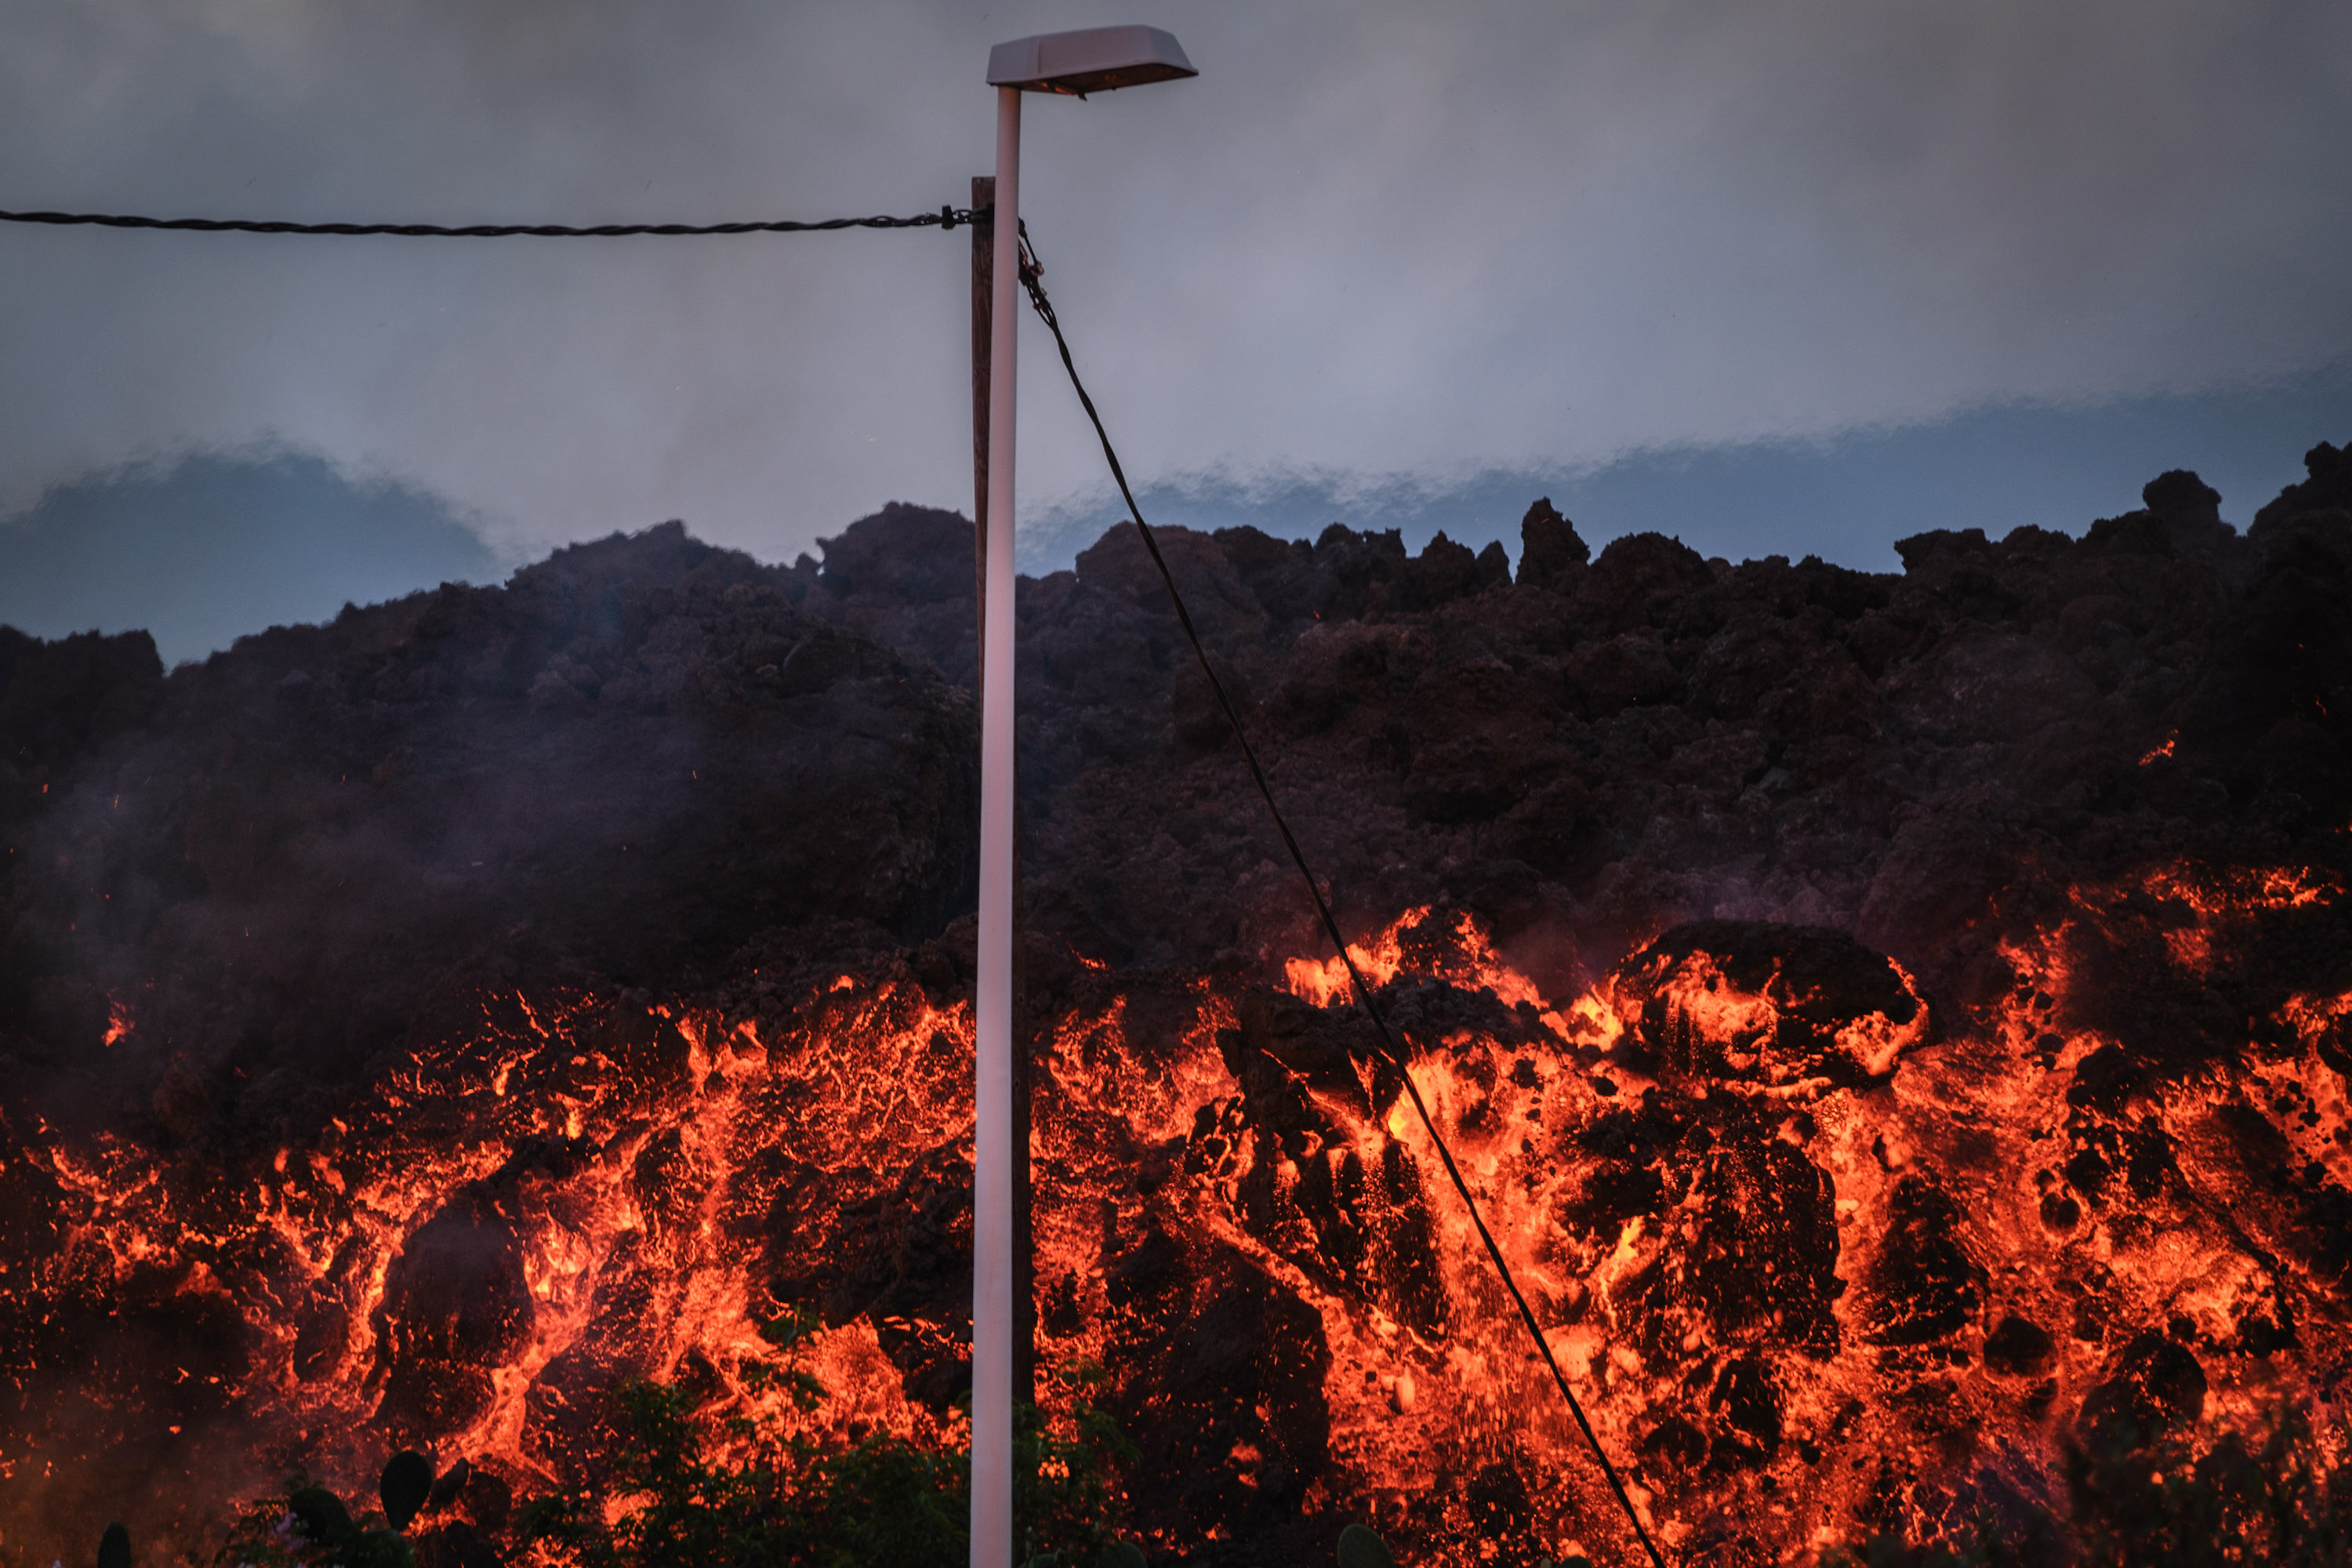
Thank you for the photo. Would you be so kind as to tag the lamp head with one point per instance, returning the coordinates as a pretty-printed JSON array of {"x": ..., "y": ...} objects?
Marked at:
[{"x": 1092, "y": 59}]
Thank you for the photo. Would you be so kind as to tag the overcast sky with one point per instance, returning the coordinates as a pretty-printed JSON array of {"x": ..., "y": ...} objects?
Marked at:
[{"x": 1375, "y": 242}]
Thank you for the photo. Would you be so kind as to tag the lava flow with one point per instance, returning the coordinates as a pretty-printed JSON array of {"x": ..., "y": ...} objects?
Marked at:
[{"x": 1799, "y": 1242}]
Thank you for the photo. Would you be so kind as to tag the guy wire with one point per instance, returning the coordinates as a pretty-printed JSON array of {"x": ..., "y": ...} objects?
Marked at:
[{"x": 1030, "y": 276}]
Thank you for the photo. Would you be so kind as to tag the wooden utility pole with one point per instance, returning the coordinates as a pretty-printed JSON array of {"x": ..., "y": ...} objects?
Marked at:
[{"x": 1024, "y": 1271}]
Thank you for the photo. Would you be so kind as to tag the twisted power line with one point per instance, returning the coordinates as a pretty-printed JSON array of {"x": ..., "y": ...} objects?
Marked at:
[{"x": 945, "y": 218}]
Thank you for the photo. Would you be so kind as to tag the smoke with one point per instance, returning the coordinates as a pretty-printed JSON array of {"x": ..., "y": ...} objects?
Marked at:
[
  {"x": 1370, "y": 239},
  {"x": 203, "y": 551},
  {"x": 1847, "y": 497}
]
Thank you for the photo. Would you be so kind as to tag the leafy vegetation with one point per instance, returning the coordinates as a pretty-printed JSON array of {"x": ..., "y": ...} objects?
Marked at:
[
  {"x": 781, "y": 1500},
  {"x": 308, "y": 1524},
  {"x": 786, "y": 1499}
]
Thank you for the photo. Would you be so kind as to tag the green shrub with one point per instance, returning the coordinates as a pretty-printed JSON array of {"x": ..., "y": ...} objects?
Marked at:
[
  {"x": 881, "y": 1502},
  {"x": 307, "y": 1526}
]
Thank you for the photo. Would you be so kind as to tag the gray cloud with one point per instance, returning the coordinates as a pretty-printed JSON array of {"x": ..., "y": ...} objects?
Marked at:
[{"x": 1372, "y": 238}]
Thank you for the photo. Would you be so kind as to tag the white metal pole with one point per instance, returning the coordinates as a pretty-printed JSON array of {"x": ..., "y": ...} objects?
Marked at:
[{"x": 993, "y": 1152}]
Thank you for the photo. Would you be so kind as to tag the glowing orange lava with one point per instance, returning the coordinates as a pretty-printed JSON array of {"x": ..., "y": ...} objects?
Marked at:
[{"x": 649, "y": 1183}]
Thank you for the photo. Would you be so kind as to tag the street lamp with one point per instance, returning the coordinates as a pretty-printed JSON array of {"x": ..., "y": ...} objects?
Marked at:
[{"x": 1094, "y": 59}]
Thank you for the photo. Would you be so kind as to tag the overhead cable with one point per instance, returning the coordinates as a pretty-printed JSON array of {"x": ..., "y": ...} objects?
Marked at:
[
  {"x": 945, "y": 218},
  {"x": 1031, "y": 277}
]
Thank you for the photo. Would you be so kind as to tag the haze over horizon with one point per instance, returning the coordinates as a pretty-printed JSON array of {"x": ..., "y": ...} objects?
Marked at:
[{"x": 1811, "y": 274}]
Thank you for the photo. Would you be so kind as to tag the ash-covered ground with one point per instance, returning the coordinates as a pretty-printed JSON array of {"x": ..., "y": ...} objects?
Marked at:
[{"x": 1898, "y": 1019}]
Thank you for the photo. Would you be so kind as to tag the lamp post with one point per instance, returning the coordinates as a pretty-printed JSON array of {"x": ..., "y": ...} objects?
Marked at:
[{"x": 1094, "y": 59}]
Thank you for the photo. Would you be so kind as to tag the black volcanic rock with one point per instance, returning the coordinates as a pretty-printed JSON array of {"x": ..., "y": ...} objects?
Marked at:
[
  {"x": 1236, "y": 1434},
  {"x": 2156, "y": 1386},
  {"x": 455, "y": 1305},
  {"x": 59, "y": 699},
  {"x": 2018, "y": 1347},
  {"x": 1924, "y": 1285},
  {"x": 1751, "y": 1258},
  {"x": 2327, "y": 487},
  {"x": 623, "y": 764},
  {"x": 905, "y": 554},
  {"x": 1639, "y": 580},
  {"x": 1551, "y": 554},
  {"x": 1840, "y": 1011}
]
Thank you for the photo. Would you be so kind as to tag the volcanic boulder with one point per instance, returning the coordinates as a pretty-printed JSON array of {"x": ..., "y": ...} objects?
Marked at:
[{"x": 1787, "y": 1007}]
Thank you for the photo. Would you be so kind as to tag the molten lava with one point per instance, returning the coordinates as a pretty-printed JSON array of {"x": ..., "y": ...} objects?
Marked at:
[{"x": 1816, "y": 1252}]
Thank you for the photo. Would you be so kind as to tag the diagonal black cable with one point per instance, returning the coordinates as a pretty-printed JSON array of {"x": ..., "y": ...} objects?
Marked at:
[
  {"x": 1031, "y": 274},
  {"x": 946, "y": 217}
]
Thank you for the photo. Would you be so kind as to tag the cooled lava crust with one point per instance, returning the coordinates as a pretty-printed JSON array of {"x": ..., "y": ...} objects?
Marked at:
[{"x": 1896, "y": 1023}]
